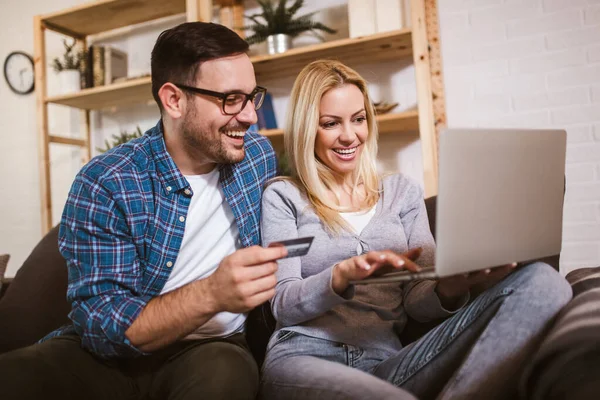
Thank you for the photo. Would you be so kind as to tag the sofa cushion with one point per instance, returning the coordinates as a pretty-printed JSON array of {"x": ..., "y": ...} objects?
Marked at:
[
  {"x": 567, "y": 364},
  {"x": 3, "y": 264},
  {"x": 35, "y": 302}
]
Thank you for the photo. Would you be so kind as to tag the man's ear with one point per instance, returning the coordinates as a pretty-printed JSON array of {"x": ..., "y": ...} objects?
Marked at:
[{"x": 172, "y": 99}]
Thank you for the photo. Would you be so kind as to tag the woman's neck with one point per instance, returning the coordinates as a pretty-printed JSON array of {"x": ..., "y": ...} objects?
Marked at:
[{"x": 348, "y": 195}]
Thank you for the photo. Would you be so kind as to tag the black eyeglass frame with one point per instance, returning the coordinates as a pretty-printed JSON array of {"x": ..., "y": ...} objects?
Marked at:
[{"x": 222, "y": 96}]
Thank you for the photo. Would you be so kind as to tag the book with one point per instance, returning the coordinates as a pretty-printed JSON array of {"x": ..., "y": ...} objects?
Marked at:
[
  {"x": 389, "y": 15},
  {"x": 84, "y": 71},
  {"x": 366, "y": 17},
  {"x": 115, "y": 64},
  {"x": 88, "y": 77},
  {"x": 266, "y": 114},
  {"x": 97, "y": 65},
  {"x": 361, "y": 17}
]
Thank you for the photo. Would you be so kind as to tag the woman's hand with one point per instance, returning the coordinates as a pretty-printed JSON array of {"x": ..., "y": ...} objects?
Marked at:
[
  {"x": 360, "y": 267},
  {"x": 451, "y": 289}
]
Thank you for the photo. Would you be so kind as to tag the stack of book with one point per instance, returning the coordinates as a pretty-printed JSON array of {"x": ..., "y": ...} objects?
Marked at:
[
  {"x": 266, "y": 114},
  {"x": 366, "y": 17},
  {"x": 102, "y": 66}
]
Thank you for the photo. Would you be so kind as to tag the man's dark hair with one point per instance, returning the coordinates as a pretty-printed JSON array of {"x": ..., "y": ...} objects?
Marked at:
[{"x": 179, "y": 51}]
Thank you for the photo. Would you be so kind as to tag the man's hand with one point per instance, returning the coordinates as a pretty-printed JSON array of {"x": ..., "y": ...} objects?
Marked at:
[
  {"x": 360, "y": 267},
  {"x": 245, "y": 279},
  {"x": 452, "y": 288}
]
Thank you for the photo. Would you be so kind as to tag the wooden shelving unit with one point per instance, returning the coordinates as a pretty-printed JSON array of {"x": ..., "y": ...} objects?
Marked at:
[
  {"x": 420, "y": 42},
  {"x": 380, "y": 47}
]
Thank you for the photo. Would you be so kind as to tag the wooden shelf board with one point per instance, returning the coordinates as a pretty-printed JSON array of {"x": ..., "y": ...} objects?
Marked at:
[
  {"x": 105, "y": 15},
  {"x": 387, "y": 123},
  {"x": 123, "y": 93},
  {"x": 67, "y": 140},
  {"x": 378, "y": 47},
  {"x": 398, "y": 122},
  {"x": 368, "y": 49}
]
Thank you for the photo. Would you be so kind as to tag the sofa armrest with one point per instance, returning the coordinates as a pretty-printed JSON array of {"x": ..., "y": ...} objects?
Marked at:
[
  {"x": 35, "y": 303},
  {"x": 4, "y": 286}
]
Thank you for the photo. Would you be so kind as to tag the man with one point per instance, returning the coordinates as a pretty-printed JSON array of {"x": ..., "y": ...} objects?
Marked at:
[{"x": 160, "y": 236}]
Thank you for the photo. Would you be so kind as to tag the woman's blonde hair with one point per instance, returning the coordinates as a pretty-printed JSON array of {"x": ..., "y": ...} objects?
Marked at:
[{"x": 312, "y": 175}]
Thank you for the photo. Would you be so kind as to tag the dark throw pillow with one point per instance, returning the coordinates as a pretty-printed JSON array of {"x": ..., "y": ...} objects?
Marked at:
[{"x": 35, "y": 302}]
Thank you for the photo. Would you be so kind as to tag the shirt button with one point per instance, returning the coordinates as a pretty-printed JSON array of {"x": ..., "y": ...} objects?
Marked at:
[
  {"x": 169, "y": 188},
  {"x": 187, "y": 191},
  {"x": 169, "y": 264},
  {"x": 182, "y": 218}
]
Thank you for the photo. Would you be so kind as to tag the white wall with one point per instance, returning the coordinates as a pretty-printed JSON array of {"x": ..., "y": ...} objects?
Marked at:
[
  {"x": 20, "y": 223},
  {"x": 533, "y": 63},
  {"x": 506, "y": 63}
]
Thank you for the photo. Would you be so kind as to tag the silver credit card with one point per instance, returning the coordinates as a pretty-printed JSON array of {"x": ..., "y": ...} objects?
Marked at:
[{"x": 295, "y": 247}]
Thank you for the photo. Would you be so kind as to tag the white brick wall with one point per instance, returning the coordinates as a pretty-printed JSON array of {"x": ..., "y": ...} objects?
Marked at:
[
  {"x": 533, "y": 63},
  {"x": 592, "y": 15},
  {"x": 559, "y": 5},
  {"x": 558, "y": 21}
]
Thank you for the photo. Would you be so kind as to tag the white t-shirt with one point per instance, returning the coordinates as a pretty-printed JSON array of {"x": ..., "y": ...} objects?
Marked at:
[
  {"x": 358, "y": 220},
  {"x": 210, "y": 235}
]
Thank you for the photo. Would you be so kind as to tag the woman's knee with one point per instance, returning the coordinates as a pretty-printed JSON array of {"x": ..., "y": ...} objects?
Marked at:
[{"x": 544, "y": 282}]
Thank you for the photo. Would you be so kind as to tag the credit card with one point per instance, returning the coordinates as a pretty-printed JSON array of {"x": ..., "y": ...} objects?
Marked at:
[{"x": 295, "y": 247}]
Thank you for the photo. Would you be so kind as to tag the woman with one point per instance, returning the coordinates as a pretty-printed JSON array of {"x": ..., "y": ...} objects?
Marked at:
[{"x": 336, "y": 340}]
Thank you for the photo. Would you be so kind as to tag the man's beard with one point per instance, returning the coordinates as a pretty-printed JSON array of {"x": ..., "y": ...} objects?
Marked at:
[{"x": 198, "y": 142}]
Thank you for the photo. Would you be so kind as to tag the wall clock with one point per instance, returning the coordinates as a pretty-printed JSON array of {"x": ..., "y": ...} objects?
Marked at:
[{"x": 19, "y": 73}]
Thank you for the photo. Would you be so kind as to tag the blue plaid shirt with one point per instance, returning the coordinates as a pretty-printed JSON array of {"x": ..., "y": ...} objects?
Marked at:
[{"x": 121, "y": 231}]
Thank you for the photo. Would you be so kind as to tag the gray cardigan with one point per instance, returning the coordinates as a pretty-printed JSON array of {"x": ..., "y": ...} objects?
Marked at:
[{"x": 365, "y": 316}]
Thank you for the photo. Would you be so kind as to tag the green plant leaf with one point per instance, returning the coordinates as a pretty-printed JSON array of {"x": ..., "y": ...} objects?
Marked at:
[
  {"x": 281, "y": 19},
  {"x": 123, "y": 137},
  {"x": 254, "y": 19},
  {"x": 71, "y": 59},
  {"x": 280, "y": 14},
  {"x": 294, "y": 9},
  {"x": 283, "y": 165},
  {"x": 268, "y": 12}
]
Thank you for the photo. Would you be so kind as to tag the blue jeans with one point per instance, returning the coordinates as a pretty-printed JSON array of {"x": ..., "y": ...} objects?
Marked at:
[{"x": 475, "y": 354}]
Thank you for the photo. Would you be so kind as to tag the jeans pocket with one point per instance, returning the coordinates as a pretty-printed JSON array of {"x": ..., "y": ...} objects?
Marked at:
[{"x": 280, "y": 337}]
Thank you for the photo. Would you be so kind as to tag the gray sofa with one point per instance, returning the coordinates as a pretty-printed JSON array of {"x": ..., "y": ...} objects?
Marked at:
[{"x": 34, "y": 303}]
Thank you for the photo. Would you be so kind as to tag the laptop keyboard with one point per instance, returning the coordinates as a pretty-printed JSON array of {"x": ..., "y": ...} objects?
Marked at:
[{"x": 401, "y": 276}]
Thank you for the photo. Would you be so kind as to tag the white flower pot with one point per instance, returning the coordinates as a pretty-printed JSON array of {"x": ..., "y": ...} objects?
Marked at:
[
  {"x": 70, "y": 81},
  {"x": 278, "y": 43}
]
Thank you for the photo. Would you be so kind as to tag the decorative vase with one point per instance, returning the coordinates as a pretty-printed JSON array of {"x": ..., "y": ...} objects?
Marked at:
[
  {"x": 279, "y": 43},
  {"x": 70, "y": 81}
]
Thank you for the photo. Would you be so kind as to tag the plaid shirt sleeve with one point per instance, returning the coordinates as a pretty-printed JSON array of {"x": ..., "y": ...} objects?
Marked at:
[{"x": 105, "y": 277}]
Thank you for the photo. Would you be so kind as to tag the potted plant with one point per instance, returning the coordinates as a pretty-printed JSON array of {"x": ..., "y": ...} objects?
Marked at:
[
  {"x": 68, "y": 66},
  {"x": 278, "y": 24},
  {"x": 283, "y": 165},
  {"x": 121, "y": 138}
]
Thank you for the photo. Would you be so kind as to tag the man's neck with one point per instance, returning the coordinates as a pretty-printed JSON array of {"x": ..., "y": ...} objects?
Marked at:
[{"x": 187, "y": 162}]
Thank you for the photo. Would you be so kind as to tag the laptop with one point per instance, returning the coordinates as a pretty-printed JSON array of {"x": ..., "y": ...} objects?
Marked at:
[{"x": 500, "y": 200}]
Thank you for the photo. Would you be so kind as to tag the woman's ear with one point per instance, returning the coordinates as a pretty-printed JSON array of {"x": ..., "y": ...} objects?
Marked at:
[{"x": 172, "y": 99}]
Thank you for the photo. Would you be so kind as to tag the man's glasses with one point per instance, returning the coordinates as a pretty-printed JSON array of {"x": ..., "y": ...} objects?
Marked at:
[{"x": 232, "y": 103}]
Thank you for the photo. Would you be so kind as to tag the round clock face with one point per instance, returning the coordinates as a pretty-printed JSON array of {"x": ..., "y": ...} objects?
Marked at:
[{"x": 18, "y": 72}]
